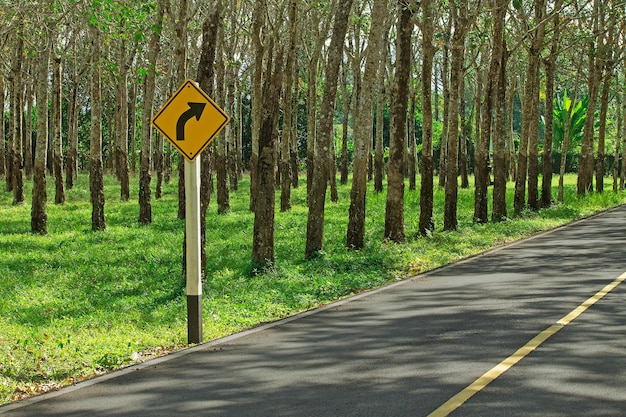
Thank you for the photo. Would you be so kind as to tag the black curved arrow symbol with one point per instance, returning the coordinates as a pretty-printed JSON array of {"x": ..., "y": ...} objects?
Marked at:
[{"x": 195, "y": 110}]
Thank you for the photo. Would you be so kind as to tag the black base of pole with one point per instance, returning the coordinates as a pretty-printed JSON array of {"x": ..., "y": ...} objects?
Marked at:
[{"x": 194, "y": 319}]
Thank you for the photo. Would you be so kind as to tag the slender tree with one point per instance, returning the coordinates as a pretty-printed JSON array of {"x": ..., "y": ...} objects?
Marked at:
[
  {"x": 481, "y": 164},
  {"x": 363, "y": 128},
  {"x": 426, "y": 222},
  {"x": 39, "y": 215},
  {"x": 317, "y": 197},
  {"x": 394, "y": 209},
  {"x": 462, "y": 19},
  {"x": 145, "y": 176},
  {"x": 57, "y": 138},
  {"x": 96, "y": 166}
]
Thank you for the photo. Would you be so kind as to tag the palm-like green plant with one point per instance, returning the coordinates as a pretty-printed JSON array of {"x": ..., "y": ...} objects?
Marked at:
[{"x": 577, "y": 113}]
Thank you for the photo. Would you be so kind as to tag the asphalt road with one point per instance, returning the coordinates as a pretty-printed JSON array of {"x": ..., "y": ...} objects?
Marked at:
[{"x": 406, "y": 349}]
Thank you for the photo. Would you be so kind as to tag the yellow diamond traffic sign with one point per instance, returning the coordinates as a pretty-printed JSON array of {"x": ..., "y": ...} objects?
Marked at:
[{"x": 190, "y": 120}]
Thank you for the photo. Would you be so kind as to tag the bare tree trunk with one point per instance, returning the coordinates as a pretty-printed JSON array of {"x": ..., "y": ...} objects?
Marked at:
[
  {"x": 355, "y": 237},
  {"x": 426, "y": 222},
  {"x": 394, "y": 208},
  {"x": 445, "y": 82},
  {"x": 145, "y": 177},
  {"x": 3, "y": 160},
  {"x": 462, "y": 19},
  {"x": 481, "y": 164},
  {"x": 132, "y": 120},
  {"x": 412, "y": 157},
  {"x": 622, "y": 175},
  {"x": 499, "y": 212},
  {"x": 347, "y": 100},
  {"x": 39, "y": 216},
  {"x": 604, "y": 105},
  {"x": 546, "y": 178},
  {"x": 285, "y": 163},
  {"x": 317, "y": 197},
  {"x": 618, "y": 145},
  {"x": 585, "y": 161},
  {"x": 121, "y": 126},
  {"x": 263, "y": 233},
  {"x": 96, "y": 169},
  {"x": 221, "y": 170},
  {"x": 379, "y": 161},
  {"x": 28, "y": 132},
  {"x": 71, "y": 164},
  {"x": 528, "y": 153},
  {"x": 57, "y": 139},
  {"x": 17, "y": 115}
]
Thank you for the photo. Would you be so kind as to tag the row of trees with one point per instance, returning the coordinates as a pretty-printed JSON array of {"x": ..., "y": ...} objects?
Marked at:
[{"x": 82, "y": 78}]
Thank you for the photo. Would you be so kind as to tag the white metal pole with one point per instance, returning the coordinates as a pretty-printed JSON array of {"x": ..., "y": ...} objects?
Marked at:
[{"x": 193, "y": 256}]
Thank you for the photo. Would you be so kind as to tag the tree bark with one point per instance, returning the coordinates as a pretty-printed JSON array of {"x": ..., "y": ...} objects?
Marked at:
[
  {"x": 96, "y": 168},
  {"x": 394, "y": 208},
  {"x": 39, "y": 216},
  {"x": 263, "y": 233},
  {"x": 426, "y": 222},
  {"x": 57, "y": 139},
  {"x": 285, "y": 163},
  {"x": 585, "y": 160},
  {"x": 604, "y": 105},
  {"x": 145, "y": 176},
  {"x": 317, "y": 197},
  {"x": 499, "y": 212},
  {"x": 3, "y": 160},
  {"x": 546, "y": 177},
  {"x": 461, "y": 23},
  {"x": 17, "y": 181},
  {"x": 481, "y": 164},
  {"x": 355, "y": 236}
]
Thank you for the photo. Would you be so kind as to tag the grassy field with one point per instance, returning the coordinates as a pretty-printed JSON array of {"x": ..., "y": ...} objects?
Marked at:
[{"x": 76, "y": 303}]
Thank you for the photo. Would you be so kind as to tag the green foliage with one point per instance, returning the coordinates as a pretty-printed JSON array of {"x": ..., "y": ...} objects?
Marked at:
[
  {"x": 75, "y": 303},
  {"x": 562, "y": 106}
]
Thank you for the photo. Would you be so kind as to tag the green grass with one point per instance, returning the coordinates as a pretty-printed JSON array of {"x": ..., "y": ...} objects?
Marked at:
[{"x": 75, "y": 303}]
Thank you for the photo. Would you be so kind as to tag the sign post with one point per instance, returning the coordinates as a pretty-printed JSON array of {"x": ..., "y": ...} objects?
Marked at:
[{"x": 190, "y": 121}]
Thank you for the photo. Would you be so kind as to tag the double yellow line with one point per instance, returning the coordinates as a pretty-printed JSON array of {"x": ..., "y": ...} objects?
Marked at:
[{"x": 491, "y": 375}]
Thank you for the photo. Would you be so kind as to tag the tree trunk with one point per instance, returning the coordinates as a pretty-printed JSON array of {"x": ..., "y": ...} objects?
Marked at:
[
  {"x": 426, "y": 222},
  {"x": 481, "y": 164},
  {"x": 379, "y": 161},
  {"x": 17, "y": 181},
  {"x": 533, "y": 123},
  {"x": 28, "y": 132},
  {"x": 461, "y": 23},
  {"x": 96, "y": 169},
  {"x": 317, "y": 197},
  {"x": 445, "y": 83},
  {"x": 285, "y": 163},
  {"x": 394, "y": 208},
  {"x": 263, "y": 233},
  {"x": 585, "y": 161},
  {"x": 221, "y": 169},
  {"x": 145, "y": 177},
  {"x": 347, "y": 100},
  {"x": 39, "y": 216},
  {"x": 121, "y": 126},
  {"x": 57, "y": 139},
  {"x": 355, "y": 236},
  {"x": 499, "y": 212},
  {"x": 71, "y": 163},
  {"x": 618, "y": 145},
  {"x": 412, "y": 157},
  {"x": 604, "y": 105},
  {"x": 3, "y": 160}
]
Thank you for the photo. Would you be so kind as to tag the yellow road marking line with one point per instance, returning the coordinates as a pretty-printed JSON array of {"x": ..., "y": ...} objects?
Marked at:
[{"x": 491, "y": 375}]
